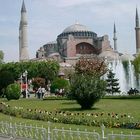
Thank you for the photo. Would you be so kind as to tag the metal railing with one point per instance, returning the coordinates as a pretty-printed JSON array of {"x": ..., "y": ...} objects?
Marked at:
[
  {"x": 122, "y": 136},
  {"x": 17, "y": 131},
  {"x": 29, "y": 132},
  {"x": 74, "y": 135}
]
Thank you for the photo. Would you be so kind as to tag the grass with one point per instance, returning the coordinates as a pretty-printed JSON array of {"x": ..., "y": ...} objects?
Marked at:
[
  {"x": 128, "y": 106},
  {"x": 123, "y": 97},
  {"x": 7, "y": 118},
  {"x": 131, "y": 107}
]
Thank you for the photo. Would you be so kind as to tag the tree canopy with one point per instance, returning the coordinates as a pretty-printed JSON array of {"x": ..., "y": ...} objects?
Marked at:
[
  {"x": 44, "y": 69},
  {"x": 6, "y": 78},
  {"x": 1, "y": 56},
  {"x": 59, "y": 83},
  {"x": 136, "y": 64},
  {"x": 93, "y": 66}
]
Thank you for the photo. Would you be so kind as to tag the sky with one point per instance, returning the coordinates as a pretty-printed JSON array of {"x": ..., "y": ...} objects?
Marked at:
[{"x": 48, "y": 18}]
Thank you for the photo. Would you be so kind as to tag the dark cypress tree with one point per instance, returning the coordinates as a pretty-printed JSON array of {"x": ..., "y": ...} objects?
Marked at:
[{"x": 112, "y": 83}]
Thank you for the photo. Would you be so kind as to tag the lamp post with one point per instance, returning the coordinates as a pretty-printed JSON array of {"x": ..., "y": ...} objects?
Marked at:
[
  {"x": 21, "y": 83},
  {"x": 26, "y": 82}
]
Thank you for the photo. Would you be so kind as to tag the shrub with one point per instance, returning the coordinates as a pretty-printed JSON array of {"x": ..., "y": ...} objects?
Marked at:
[
  {"x": 87, "y": 87},
  {"x": 87, "y": 90},
  {"x": 13, "y": 91},
  {"x": 6, "y": 78},
  {"x": 58, "y": 84}
]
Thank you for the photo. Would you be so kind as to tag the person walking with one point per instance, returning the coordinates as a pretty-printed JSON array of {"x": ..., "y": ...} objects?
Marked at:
[
  {"x": 43, "y": 92},
  {"x": 39, "y": 92}
]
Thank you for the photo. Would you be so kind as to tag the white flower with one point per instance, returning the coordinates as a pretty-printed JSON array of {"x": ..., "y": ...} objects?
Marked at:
[
  {"x": 128, "y": 116},
  {"x": 56, "y": 119},
  {"x": 71, "y": 114},
  {"x": 16, "y": 107},
  {"x": 65, "y": 114},
  {"x": 88, "y": 115},
  {"x": 20, "y": 107}
]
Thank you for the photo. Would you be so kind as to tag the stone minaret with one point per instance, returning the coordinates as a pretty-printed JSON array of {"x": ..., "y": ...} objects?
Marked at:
[
  {"x": 137, "y": 29},
  {"x": 23, "y": 42},
  {"x": 115, "y": 38}
]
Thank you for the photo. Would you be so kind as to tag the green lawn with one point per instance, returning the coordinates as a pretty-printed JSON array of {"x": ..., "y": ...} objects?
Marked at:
[
  {"x": 126, "y": 106},
  {"x": 129, "y": 106}
]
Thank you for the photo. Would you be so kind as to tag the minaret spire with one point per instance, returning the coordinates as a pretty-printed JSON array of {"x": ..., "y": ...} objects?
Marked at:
[
  {"x": 23, "y": 9},
  {"x": 23, "y": 40},
  {"x": 115, "y": 37},
  {"x": 137, "y": 30},
  {"x": 114, "y": 28}
]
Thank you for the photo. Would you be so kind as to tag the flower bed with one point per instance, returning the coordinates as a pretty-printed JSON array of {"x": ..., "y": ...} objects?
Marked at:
[{"x": 90, "y": 119}]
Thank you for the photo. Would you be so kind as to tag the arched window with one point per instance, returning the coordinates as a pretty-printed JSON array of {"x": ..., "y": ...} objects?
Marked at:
[{"x": 85, "y": 48}]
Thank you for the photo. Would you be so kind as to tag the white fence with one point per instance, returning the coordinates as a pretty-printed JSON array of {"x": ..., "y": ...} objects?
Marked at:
[
  {"x": 122, "y": 137},
  {"x": 15, "y": 131},
  {"x": 25, "y": 132},
  {"x": 74, "y": 135}
]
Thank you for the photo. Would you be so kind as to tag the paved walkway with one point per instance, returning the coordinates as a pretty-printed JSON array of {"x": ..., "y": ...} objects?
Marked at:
[
  {"x": 9, "y": 138},
  {"x": 5, "y": 138}
]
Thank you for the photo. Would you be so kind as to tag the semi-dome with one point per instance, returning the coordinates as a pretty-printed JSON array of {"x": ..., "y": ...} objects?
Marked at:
[
  {"x": 76, "y": 28},
  {"x": 110, "y": 55},
  {"x": 127, "y": 57},
  {"x": 54, "y": 54}
]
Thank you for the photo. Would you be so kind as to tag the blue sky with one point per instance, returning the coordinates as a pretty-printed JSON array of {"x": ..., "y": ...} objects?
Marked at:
[{"x": 48, "y": 18}]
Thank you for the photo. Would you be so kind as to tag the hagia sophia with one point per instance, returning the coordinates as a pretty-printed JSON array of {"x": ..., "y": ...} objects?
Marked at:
[{"x": 74, "y": 41}]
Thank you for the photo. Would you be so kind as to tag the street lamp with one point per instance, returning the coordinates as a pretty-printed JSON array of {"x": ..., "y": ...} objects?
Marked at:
[
  {"x": 26, "y": 82},
  {"x": 21, "y": 83}
]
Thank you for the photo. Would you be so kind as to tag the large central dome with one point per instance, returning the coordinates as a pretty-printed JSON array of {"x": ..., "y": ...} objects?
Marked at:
[{"x": 76, "y": 28}]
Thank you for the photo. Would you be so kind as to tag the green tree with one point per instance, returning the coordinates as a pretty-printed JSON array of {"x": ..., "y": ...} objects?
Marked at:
[
  {"x": 6, "y": 78},
  {"x": 87, "y": 87},
  {"x": 1, "y": 56},
  {"x": 112, "y": 83},
  {"x": 49, "y": 70},
  {"x": 13, "y": 91},
  {"x": 59, "y": 83},
  {"x": 44, "y": 69},
  {"x": 136, "y": 64}
]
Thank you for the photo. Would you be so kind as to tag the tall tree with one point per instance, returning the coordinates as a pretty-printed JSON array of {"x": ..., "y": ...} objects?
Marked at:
[
  {"x": 1, "y": 56},
  {"x": 136, "y": 64},
  {"x": 44, "y": 69},
  {"x": 112, "y": 83},
  {"x": 6, "y": 78}
]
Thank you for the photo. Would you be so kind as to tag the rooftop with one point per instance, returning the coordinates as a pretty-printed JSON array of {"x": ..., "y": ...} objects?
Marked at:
[{"x": 76, "y": 28}]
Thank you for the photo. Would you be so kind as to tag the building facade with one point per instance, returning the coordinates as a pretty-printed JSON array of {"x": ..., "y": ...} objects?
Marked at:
[{"x": 76, "y": 41}]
